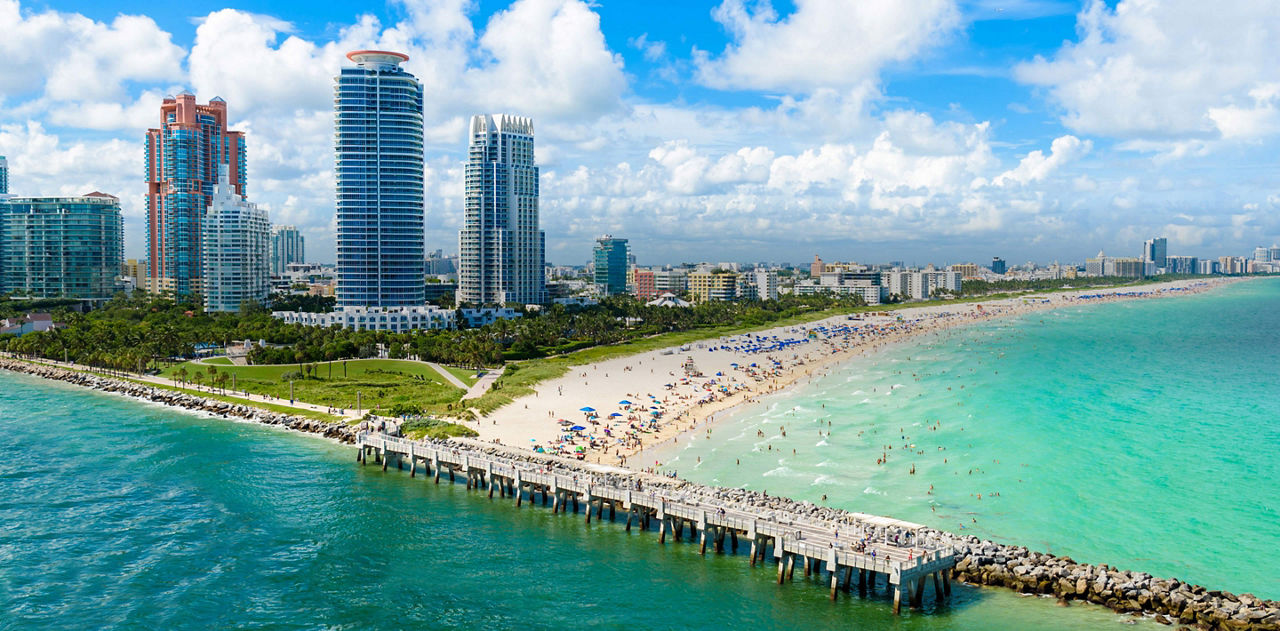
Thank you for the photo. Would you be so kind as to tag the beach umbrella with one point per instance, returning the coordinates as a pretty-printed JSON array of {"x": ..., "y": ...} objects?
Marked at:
[
  {"x": 576, "y": 428},
  {"x": 624, "y": 402},
  {"x": 614, "y": 415},
  {"x": 564, "y": 422},
  {"x": 587, "y": 409}
]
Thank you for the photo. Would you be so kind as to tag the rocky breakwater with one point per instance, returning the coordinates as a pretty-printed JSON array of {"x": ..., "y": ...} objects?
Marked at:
[
  {"x": 1170, "y": 600},
  {"x": 980, "y": 562},
  {"x": 336, "y": 431}
]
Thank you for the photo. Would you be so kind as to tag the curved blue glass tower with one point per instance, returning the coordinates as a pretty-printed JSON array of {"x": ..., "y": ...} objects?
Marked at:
[{"x": 378, "y": 167}]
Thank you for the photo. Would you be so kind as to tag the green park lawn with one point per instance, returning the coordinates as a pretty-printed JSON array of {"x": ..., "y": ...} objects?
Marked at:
[{"x": 381, "y": 383}]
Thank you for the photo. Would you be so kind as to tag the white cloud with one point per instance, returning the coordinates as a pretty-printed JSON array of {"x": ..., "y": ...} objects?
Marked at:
[
  {"x": 73, "y": 58},
  {"x": 1036, "y": 166},
  {"x": 1166, "y": 70},
  {"x": 823, "y": 43}
]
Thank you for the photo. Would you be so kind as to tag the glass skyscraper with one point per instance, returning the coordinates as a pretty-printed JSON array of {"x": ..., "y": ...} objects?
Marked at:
[
  {"x": 183, "y": 157},
  {"x": 61, "y": 247},
  {"x": 609, "y": 266},
  {"x": 4, "y": 175},
  {"x": 378, "y": 164},
  {"x": 501, "y": 249},
  {"x": 287, "y": 246}
]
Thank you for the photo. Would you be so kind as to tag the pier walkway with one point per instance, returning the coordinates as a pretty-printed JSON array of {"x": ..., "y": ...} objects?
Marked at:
[{"x": 874, "y": 546}]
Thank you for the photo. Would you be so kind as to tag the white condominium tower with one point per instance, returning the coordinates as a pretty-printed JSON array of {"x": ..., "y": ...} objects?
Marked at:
[
  {"x": 501, "y": 249},
  {"x": 236, "y": 238}
]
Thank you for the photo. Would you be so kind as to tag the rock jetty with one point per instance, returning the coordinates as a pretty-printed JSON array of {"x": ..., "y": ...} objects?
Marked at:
[{"x": 340, "y": 432}]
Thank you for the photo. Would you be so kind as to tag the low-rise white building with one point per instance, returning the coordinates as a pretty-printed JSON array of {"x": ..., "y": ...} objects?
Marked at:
[
  {"x": 394, "y": 319},
  {"x": 487, "y": 315}
]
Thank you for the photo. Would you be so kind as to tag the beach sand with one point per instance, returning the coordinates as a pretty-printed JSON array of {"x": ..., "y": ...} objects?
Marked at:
[{"x": 658, "y": 381}]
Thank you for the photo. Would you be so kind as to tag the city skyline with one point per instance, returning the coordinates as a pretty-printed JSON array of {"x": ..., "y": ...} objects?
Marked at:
[{"x": 974, "y": 133}]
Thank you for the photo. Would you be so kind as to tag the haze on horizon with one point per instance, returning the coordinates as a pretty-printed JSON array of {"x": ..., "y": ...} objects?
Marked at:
[{"x": 925, "y": 131}]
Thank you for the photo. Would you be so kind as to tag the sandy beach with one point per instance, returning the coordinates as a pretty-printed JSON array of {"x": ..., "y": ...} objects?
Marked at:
[{"x": 616, "y": 411}]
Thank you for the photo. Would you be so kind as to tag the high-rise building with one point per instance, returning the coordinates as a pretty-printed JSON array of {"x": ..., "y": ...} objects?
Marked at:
[
  {"x": 1262, "y": 254},
  {"x": 501, "y": 249},
  {"x": 610, "y": 265},
  {"x": 711, "y": 287},
  {"x": 4, "y": 176},
  {"x": 236, "y": 246},
  {"x": 1157, "y": 251},
  {"x": 61, "y": 247},
  {"x": 378, "y": 164},
  {"x": 287, "y": 246},
  {"x": 766, "y": 283},
  {"x": 998, "y": 266},
  {"x": 183, "y": 157}
]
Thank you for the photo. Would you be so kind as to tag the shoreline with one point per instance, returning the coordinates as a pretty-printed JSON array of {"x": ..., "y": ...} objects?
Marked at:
[
  {"x": 337, "y": 432},
  {"x": 737, "y": 370},
  {"x": 661, "y": 452},
  {"x": 981, "y": 562}
]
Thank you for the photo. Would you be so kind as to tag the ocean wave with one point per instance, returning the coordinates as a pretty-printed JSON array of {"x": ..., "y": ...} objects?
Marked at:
[
  {"x": 870, "y": 490},
  {"x": 823, "y": 480},
  {"x": 821, "y": 443}
]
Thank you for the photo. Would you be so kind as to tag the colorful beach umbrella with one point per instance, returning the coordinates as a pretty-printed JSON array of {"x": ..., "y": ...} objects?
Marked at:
[
  {"x": 588, "y": 409},
  {"x": 576, "y": 428},
  {"x": 624, "y": 402}
]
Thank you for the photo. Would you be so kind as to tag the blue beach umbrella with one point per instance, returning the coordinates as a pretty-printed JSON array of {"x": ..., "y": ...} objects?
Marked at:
[
  {"x": 624, "y": 402},
  {"x": 614, "y": 415},
  {"x": 588, "y": 409},
  {"x": 576, "y": 428}
]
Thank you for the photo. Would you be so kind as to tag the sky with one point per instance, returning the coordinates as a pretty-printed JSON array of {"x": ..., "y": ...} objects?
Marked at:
[{"x": 924, "y": 131}]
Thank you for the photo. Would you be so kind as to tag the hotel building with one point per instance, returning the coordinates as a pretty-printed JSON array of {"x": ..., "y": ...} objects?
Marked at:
[
  {"x": 287, "y": 246},
  {"x": 609, "y": 265}
]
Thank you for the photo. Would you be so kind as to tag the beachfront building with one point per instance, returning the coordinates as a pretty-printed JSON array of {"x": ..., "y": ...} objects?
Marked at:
[
  {"x": 182, "y": 160},
  {"x": 1231, "y": 265},
  {"x": 235, "y": 250},
  {"x": 379, "y": 173},
  {"x": 998, "y": 266},
  {"x": 1128, "y": 267},
  {"x": 716, "y": 285},
  {"x": 500, "y": 248},
  {"x": 394, "y": 319},
  {"x": 61, "y": 247},
  {"x": 651, "y": 283},
  {"x": 1175, "y": 264},
  {"x": 765, "y": 282},
  {"x": 919, "y": 284},
  {"x": 4, "y": 176},
  {"x": 609, "y": 265},
  {"x": 287, "y": 246},
  {"x": 843, "y": 283},
  {"x": 1156, "y": 251},
  {"x": 967, "y": 270}
]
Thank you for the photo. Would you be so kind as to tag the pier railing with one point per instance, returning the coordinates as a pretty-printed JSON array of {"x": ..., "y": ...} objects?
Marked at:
[{"x": 903, "y": 558}]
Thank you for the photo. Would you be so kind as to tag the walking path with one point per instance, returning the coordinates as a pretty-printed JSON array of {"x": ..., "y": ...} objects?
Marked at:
[
  {"x": 444, "y": 372},
  {"x": 482, "y": 386}
]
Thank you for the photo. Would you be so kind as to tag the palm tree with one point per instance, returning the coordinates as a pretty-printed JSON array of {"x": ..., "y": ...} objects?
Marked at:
[
  {"x": 182, "y": 374},
  {"x": 197, "y": 378}
]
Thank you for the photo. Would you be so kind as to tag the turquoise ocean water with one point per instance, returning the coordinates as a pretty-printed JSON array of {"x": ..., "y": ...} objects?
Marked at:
[
  {"x": 119, "y": 514},
  {"x": 1142, "y": 434}
]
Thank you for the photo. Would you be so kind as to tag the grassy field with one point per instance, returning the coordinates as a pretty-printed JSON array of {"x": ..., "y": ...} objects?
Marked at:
[
  {"x": 219, "y": 361},
  {"x": 465, "y": 375},
  {"x": 381, "y": 383}
]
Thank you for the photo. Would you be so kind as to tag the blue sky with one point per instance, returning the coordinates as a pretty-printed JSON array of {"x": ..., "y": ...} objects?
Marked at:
[{"x": 870, "y": 130}]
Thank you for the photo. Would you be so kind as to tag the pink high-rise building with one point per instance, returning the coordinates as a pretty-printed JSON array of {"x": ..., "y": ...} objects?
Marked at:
[{"x": 183, "y": 157}]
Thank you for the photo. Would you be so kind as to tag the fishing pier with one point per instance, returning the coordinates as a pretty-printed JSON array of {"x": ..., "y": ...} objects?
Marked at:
[{"x": 870, "y": 550}]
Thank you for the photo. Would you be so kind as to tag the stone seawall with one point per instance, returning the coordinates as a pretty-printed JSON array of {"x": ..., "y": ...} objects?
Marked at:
[
  {"x": 980, "y": 562},
  {"x": 336, "y": 431},
  {"x": 1172, "y": 601}
]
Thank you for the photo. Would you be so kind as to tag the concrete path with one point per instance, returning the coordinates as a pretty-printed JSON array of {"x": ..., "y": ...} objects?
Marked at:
[
  {"x": 444, "y": 372},
  {"x": 482, "y": 386}
]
